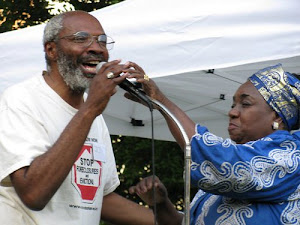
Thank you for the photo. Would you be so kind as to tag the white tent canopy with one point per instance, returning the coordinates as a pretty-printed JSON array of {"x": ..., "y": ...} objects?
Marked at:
[{"x": 197, "y": 51}]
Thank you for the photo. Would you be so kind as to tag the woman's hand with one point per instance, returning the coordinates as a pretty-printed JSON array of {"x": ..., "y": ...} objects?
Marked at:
[{"x": 132, "y": 70}]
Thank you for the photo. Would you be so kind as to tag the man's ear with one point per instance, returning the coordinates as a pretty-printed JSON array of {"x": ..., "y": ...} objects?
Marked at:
[{"x": 51, "y": 51}]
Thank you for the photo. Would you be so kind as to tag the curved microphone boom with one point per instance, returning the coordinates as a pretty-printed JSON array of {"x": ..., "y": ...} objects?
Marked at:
[
  {"x": 131, "y": 88},
  {"x": 135, "y": 91}
]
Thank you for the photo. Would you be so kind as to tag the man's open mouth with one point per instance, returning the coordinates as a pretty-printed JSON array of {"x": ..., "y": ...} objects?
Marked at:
[{"x": 89, "y": 68}]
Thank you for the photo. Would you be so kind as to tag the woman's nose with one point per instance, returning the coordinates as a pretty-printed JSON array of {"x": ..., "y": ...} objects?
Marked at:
[{"x": 233, "y": 112}]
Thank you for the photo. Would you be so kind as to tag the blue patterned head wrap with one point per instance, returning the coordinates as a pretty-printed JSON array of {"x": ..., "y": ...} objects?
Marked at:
[{"x": 281, "y": 90}]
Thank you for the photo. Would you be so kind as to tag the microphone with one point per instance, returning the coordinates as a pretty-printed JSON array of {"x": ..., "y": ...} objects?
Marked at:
[{"x": 131, "y": 88}]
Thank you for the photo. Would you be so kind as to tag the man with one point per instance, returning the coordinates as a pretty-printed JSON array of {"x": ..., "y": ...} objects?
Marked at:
[{"x": 57, "y": 164}]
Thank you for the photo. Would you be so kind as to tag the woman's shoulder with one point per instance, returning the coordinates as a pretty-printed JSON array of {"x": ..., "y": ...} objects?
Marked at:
[
  {"x": 296, "y": 134},
  {"x": 284, "y": 138}
]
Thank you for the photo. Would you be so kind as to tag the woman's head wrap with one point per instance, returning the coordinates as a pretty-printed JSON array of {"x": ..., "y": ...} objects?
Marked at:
[{"x": 281, "y": 90}]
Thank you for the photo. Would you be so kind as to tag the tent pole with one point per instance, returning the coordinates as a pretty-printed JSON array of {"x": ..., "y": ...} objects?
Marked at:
[{"x": 187, "y": 162}]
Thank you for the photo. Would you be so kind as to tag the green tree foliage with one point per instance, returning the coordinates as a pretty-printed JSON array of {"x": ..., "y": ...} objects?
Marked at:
[
  {"x": 134, "y": 161},
  {"x": 88, "y": 5},
  {"x": 16, "y": 14}
]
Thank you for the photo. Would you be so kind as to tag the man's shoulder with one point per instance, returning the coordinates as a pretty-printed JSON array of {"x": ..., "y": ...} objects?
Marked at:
[{"x": 21, "y": 92}]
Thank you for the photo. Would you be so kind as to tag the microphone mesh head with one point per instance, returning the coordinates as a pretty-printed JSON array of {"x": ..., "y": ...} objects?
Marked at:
[{"x": 98, "y": 67}]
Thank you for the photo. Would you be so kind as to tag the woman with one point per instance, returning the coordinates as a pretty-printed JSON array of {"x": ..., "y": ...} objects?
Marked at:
[{"x": 252, "y": 178}]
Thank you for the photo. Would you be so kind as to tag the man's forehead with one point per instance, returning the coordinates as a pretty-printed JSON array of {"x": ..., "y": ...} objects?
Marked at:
[{"x": 81, "y": 22}]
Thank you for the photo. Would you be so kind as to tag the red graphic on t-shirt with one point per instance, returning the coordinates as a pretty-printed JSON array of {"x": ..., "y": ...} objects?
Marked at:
[{"x": 86, "y": 174}]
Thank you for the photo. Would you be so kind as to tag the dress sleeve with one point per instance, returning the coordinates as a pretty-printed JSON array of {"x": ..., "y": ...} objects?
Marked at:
[{"x": 263, "y": 170}]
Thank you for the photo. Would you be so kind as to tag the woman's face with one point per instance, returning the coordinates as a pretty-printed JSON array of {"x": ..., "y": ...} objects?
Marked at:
[{"x": 250, "y": 118}]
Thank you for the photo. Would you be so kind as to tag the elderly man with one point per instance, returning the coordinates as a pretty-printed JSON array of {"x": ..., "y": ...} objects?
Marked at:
[{"x": 57, "y": 164}]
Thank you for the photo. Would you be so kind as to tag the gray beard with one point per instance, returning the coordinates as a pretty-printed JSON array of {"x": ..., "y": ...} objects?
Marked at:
[{"x": 72, "y": 74}]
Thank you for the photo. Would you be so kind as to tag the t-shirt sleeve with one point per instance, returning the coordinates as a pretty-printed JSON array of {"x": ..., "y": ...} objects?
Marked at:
[{"x": 22, "y": 138}]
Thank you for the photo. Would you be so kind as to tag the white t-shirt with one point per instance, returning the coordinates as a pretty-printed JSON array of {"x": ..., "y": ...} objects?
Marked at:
[{"x": 32, "y": 117}]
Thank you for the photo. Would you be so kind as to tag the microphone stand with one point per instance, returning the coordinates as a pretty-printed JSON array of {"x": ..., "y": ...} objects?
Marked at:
[{"x": 187, "y": 161}]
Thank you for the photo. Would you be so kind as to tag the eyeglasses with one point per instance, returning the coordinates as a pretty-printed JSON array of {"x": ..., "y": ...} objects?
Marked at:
[{"x": 84, "y": 39}]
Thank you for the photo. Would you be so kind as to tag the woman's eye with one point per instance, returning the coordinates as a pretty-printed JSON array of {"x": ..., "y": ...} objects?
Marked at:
[{"x": 246, "y": 104}]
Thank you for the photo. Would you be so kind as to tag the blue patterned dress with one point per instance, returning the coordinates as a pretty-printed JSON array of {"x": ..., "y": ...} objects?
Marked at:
[{"x": 257, "y": 183}]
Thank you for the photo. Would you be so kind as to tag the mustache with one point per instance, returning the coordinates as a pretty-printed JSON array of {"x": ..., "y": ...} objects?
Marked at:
[{"x": 90, "y": 57}]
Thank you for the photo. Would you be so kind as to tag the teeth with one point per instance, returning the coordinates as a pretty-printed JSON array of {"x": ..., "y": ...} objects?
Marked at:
[
  {"x": 89, "y": 69},
  {"x": 93, "y": 62},
  {"x": 92, "y": 69}
]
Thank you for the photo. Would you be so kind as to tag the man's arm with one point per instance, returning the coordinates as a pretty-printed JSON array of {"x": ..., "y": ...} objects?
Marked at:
[
  {"x": 121, "y": 211},
  {"x": 37, "y": 183}
]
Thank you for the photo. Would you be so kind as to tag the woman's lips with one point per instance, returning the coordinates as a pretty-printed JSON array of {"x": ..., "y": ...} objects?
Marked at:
[{"x": 232, "y": 126}]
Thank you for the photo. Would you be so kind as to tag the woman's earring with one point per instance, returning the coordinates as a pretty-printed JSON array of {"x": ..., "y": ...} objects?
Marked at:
[{"x": 275, "y": 125}]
